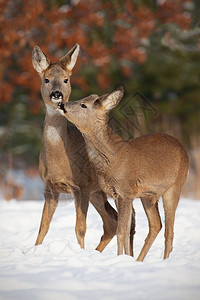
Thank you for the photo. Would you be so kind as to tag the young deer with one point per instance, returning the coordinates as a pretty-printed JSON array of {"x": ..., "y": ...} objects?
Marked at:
[
  {"x": 64, "y": 164},
  {"x": 146, "y": 167}
]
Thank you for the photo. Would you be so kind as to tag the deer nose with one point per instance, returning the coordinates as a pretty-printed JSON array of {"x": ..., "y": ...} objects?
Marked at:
[{"x": 56, "y": 95}]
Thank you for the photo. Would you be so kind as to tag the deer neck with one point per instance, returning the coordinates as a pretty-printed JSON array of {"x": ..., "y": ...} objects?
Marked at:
[
  {"x": 102, "y": 145},
  {"x": 55, "y": 129}
]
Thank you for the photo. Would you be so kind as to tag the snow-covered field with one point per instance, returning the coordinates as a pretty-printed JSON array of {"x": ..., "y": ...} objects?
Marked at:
[{"x": 59, "y": 269}]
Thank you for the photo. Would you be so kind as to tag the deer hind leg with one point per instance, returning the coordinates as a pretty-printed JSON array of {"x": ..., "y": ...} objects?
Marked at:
[
  {"x": 108, "y": 215},
  {"x": 152, "y": 213},
  {"x": 170, "y": 202},
  {"x": 81, "y": 197},
  {"x": 124, "y": 225},
  {"x": 51, "y": 202},
  {"x": 132, "y": 231}
]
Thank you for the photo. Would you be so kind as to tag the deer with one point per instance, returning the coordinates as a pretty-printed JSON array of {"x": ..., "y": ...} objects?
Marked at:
[
  {"x": 147, "y": 167},
  {"x": 64, "y": 165}
]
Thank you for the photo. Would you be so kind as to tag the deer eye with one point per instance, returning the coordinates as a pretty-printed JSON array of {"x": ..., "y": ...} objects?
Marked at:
[
  {"x": 66, "y": 80},
  {"x": 46, "y": 80},
  {"x": 83, "y": 105}
]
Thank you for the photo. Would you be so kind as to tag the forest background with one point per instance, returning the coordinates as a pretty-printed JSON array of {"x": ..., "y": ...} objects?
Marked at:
[{"x": 152, "y": 48}]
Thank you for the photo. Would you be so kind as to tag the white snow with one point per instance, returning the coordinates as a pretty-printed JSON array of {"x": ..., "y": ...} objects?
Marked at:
[{"x": 59, "y": 269}]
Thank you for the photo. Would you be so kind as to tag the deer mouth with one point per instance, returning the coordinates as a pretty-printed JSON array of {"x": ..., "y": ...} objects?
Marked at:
[
  {"x": 55, "y": 100},
  {"x": 56, "y": 97}
]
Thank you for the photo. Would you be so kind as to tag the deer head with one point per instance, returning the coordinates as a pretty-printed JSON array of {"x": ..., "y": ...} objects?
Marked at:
[
  {"x": 55, "y": 76},
  {"x": 90, "y": 111}
]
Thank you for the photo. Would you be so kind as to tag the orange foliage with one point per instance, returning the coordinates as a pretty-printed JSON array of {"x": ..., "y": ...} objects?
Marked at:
[
  {"x": 81, "y": 82},
  {"x": 171, "y": 11},
  {"x": 103, "y": 80},
  {"x": 25, "y": 23},
  {"x": 126, "y": 71},
  {"x": 6, "y": 92}
]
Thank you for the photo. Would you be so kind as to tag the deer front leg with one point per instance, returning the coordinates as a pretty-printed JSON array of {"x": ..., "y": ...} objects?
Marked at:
[
  {"x": 51, "y": 202},
  {"x": 81, "y": 197},
  {"x": 124, "y": 224},
  {"x": 108, "y": 215},
  {"x": 130, "y": 235}
]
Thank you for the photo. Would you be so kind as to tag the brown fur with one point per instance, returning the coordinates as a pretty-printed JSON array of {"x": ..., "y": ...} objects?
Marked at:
[
  {"x": 64, "y": 164},
  {"x": 148, "y": 167}
]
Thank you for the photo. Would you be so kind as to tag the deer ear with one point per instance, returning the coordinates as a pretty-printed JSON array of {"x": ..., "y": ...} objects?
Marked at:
[
  {"x": 112, "y": 99},
  {"x": 69, "y": 60},
  {"x": 39, "y": 60}
]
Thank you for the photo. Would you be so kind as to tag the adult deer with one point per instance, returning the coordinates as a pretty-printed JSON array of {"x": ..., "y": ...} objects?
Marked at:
[
  {"x": 146, "y": 167},
  {"x": 64, "y": 165}
]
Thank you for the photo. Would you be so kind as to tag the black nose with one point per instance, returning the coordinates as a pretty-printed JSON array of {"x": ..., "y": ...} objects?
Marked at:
[
  {"x": 61, "y": 106},
  {"x": 56, "y": 95}
]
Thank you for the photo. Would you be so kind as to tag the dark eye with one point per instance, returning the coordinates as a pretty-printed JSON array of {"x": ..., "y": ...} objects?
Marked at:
[
  {"x": 83, "y": 106},
  {"x": 46, "y": 80},
  {"x": 66, "y": 80}
]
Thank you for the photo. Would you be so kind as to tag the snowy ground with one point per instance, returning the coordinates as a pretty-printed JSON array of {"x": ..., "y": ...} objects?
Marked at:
[{"x": 58, "y": 269}]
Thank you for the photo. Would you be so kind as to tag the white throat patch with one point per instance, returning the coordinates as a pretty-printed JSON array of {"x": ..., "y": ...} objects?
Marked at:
[
  {"x": 92, "y": 154},
  {"x": 53, "y": 135},
  {"x": 51, "y": 110}
]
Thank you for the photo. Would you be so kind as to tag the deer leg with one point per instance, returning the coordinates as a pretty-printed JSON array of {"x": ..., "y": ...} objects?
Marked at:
[
  {"x": 131, "y": 226},
  {"x": 51, "y": 202},
  {"x": 132, "y": 232},
  {"x": 108, "y": 215},
  {"x": 170, "y": 202},
  {"x": 124, "y": 224},
  {"x": 81, "y": 197},
  {"x": 127, "y": 245},
  {"x": 152, "y": 213}
]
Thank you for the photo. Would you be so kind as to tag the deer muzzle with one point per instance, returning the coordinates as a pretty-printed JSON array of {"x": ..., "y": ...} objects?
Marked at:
[
  {"x": 56, "y": 96},
  {"x": 61, "y": 107}
]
